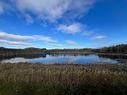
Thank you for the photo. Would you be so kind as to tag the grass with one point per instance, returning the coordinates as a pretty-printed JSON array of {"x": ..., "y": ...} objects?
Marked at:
[{"x": 67, "y": 79}]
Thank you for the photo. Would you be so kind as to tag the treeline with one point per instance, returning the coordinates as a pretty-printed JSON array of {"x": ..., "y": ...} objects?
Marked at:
[
  {"x": 122, "y": 48},
  {"x": 70, "y": 51},
  {"x": 26, "y": 51},
  {"x": 31, "y": 51},
  {"x": 113, "y": 49}
]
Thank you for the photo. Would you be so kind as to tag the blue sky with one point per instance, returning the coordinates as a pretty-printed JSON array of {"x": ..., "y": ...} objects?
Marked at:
[{"x": 62, "y": 23}]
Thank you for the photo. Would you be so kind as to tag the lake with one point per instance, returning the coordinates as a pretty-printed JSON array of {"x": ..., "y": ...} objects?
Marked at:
[{"x": 67, "y": 59}]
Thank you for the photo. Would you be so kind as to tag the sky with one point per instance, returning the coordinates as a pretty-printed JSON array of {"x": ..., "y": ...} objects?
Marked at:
[{"x": 62, "y": 23}]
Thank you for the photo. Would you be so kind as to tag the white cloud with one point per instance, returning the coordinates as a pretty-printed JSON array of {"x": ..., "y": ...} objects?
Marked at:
[
  {"x": 87, "y": 32},
  {"x": 29, "y": 19},
  {"x": 44, "y": 38},
  {"x": 76, "y": 28},
  {"x": 2, "y": 7},
  {"x": 55, "y": 45},
  {"x": 71, "y": 29},
  {"x": 5, "y": 7},
  {"x": 99, "y": 37},
  {"x": 47, "y": 10},
  {"x": 70, "y": 42},
  {"x": 53, "y": 10},
  {"x": 7, "y": 36},
  {"x": 4, "y": 35},
  {"x": 15, "y": 43}
]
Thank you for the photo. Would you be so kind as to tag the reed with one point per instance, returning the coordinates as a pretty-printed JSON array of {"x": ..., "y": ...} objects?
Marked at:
[{"x": 67, "y": 79}]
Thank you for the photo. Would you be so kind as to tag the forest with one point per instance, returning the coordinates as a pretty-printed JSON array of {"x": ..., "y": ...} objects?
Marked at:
[
  {"x": 116, "y": 49},
  {"x": 5, "y": 52},
  {"x": 121, "y": 49}
]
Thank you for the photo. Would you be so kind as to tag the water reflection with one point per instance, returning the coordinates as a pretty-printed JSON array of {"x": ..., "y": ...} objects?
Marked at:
[
  {"x": 15, "y": 60},
  {"x": 64, "y": 59}
]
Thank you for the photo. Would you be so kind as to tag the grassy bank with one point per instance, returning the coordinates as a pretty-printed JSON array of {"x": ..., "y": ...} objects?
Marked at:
[{"x": 40, "y": 79}]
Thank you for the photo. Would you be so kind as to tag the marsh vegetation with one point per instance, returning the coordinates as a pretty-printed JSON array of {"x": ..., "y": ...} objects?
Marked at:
[{"x": 67, "y": 79}]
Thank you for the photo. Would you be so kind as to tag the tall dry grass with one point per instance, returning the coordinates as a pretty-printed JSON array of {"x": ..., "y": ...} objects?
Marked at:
[{"x": 67, "y": 79}]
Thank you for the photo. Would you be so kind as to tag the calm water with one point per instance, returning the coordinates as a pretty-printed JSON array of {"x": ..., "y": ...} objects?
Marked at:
[{"x": 64, "y": 59}]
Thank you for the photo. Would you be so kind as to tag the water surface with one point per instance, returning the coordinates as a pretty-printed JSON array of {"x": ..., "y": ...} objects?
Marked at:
[{"x": 67, "y": 59}]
